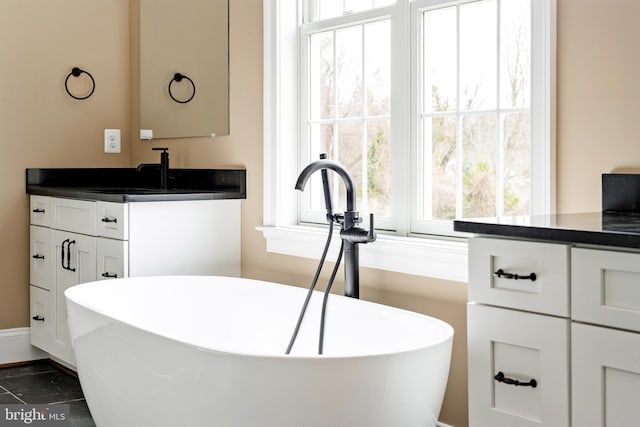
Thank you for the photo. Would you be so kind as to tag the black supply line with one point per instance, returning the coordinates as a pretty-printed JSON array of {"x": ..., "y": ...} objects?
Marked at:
[{"x": 330, "y": 218}]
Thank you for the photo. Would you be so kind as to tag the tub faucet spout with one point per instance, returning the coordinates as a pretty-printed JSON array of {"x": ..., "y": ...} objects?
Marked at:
[{"x": 350, "y": 233}]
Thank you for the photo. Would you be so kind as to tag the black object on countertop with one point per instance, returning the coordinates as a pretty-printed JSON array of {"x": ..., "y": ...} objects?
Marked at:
[{"x": 620, "y": 192}]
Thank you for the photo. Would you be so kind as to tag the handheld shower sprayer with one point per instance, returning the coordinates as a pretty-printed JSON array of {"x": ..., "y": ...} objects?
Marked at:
[{"x": 350, "y": 234}]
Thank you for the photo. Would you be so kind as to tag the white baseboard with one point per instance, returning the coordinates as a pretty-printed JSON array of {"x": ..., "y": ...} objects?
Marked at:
[
  {"x": 439, "y": 424},
  {"x": 15, "y": 346}
]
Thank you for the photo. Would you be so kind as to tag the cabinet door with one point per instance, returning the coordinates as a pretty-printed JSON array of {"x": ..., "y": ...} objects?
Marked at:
[
  {"x": 74, "y": 263},
  {"x": 605, "y": 377},
  {"x": 39, "y": 261},
  {"x": 507, "y": 346},
  {"x": 41, "y": 320},
  {"x": 113, "y": 259}
]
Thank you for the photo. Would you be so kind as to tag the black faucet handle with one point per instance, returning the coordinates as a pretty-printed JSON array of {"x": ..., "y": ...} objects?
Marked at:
[
  {"x": 371, "y": 235},
  {"x": 164, "y": 149}
]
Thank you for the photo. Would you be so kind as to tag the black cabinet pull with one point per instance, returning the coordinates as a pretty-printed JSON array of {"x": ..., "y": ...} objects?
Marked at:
[
  {"x": 73, "y": 242},
  {"x": 64, "y": 242},
  {"x": 107, "y": 219},
  {"x": 38, "y": 210},
  {"x": 502, "y": 379},
  {"x": 108, "y": 275},
  {"x": 36, "y": 256},
  {"x": 504, "y": 275},
  {"x": 38, "y": 318},
  {"x": 62, "y": 257}
]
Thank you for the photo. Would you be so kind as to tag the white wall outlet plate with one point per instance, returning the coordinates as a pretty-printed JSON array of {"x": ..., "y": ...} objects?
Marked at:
[{"x": 112, "y": 140}]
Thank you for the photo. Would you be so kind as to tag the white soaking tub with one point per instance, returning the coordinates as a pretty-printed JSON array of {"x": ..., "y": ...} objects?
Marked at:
[{"x": 209, "y": 351}]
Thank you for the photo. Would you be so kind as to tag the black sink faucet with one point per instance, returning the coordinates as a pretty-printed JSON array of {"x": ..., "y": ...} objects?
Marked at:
[
  {"x": 164, "y": 166},
  {"x": 350, "y": 233}
]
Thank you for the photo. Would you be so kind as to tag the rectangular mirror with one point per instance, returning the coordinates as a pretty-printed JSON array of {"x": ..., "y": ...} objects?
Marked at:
[{"x": 184, "y": 67}]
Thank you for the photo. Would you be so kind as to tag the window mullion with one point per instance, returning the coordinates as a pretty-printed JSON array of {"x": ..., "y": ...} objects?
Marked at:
[
  {"x": 402, "y": 119},
  {"x": 459, "y": 145},
  {"x": 364, "y": 125},
  {"x": 500, "y": 152}
]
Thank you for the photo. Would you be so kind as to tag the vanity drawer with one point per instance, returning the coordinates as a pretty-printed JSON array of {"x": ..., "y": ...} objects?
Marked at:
[
  {"x": 113, "y": 220},
  {"x": 77, "y": 216},
  {"x": 530, "y": 276},
  {"x": 606, "y": 288},
  {"x": 507, "y": 345},
  {"x": 39, "y": 210},
  {"x": 40, "y": 259},
  {"x": 41, "y": 320},
  {"x": 112, "y": 259}
]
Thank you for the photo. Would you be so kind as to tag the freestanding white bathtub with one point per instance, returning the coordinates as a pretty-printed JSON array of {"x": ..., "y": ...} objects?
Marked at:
[{"x": 198, "y": 351}]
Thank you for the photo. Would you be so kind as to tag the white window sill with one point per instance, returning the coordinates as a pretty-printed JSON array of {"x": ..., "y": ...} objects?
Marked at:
[{"x": 431, "y": 257}]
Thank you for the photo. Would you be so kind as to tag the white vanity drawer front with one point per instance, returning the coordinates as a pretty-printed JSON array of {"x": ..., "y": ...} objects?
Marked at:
[
  {"x": 525, "y": 275},
  {"x": 41, "y": 320},
  {"x": 113, "y": 259},
  {"x": 40, "y": 259},
  {"x": 39, "y": 210},
  {"x": 78, "y": 216},
  {"x": 605, "y": 377},
  {"x": 606, "y": 287},
  {"x": 113, "y": 220},
  {"x": 505, "y": 346}
]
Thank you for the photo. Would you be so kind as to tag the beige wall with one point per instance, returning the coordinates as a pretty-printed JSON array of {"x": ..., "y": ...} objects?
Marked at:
[
  {"x": 598, "y": 97},
  {"x": 40, "y": 126}
]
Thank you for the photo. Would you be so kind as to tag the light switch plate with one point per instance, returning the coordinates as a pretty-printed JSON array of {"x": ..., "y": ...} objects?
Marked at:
[{"x": 146, "y": 134}]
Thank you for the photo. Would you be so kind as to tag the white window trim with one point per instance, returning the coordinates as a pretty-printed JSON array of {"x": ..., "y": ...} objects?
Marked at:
[{"x": 442, "y": 258}]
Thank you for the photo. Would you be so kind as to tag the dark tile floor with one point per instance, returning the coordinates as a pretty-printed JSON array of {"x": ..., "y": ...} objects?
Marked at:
[{"x": 44, "y": 383}]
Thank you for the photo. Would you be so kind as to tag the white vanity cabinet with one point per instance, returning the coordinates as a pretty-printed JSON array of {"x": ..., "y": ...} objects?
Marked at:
[
  {"x": 75, "y": 241},
  {"x": 576, "y": 332},
  {"x": 605, "y": 337},
  {"x": 518, "y": 333}
]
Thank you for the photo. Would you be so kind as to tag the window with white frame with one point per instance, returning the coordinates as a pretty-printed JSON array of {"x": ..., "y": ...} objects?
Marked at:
[
  {"x": 468, "y": 147},
  {"x": 440, "y": 109},
  {"x": 346, "y": 75}
]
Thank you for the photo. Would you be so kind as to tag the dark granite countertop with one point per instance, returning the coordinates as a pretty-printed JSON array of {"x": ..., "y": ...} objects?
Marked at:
[
  {"x": 593, "y": 228},
  {"x": 128, "y": 185}
]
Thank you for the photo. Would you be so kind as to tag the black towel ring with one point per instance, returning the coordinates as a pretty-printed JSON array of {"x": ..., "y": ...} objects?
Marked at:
[
  {"x": 177, "y": 77},
  {"x": 75, "y": 72}
]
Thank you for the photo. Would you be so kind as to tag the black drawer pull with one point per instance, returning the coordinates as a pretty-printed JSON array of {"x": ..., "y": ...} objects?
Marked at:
[
  {"x": 38, "y": 318},
  {"x": 502, "y": 379},
  {"x": 38, "y": 210},
  {"x": 108, "y": 275},
  {"x": 36, "y": 256},
  {"x": 504, "y": 275},
  {"x": 107, "y": 219}
]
